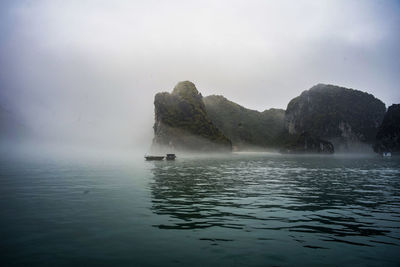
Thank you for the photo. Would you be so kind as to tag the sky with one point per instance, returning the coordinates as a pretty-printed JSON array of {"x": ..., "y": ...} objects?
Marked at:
[{"x": 83, "y": 71}]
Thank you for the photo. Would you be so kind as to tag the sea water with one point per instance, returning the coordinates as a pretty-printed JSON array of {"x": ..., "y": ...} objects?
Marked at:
[{"x": 245, "y": 209}]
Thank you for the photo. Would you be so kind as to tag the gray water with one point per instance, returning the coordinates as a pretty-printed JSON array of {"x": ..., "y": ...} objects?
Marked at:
[{"x": 236, "y": 210}]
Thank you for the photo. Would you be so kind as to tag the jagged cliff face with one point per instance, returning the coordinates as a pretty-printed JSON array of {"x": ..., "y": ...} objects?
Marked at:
[
  {"x": 246, "y": 128},
  {"x": 182, "y": 122},
  {"x": 388, "y": 137},
  {"x": 346, "y": 117}
]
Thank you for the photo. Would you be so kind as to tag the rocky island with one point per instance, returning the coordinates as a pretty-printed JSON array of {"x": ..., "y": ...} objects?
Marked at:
[
  {"x": 323, "y": 119},
  {"x": 182, "y": 122},
  {"x": 347, "y": 118}
]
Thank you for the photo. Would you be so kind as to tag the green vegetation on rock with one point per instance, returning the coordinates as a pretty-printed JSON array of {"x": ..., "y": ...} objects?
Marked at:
[
  {"x": 323, "y": 119},
  {"x": 246, "y": 127},
  {"x": 181, "y": 121},
  {"x": 340, "y": 115}
]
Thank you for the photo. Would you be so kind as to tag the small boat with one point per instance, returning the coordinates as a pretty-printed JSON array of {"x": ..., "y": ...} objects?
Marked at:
[
  {"x": 386, "y": 154},
  {"x": 171, "y": 157},
  {"x": 154, "y": 157}
]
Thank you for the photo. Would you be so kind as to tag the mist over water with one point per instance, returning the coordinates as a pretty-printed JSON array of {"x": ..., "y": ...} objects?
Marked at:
[{"x": 77, "y": 85}]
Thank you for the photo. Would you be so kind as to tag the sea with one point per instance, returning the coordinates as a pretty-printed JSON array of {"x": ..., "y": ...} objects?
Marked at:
[{"x": 240, "y": 209}]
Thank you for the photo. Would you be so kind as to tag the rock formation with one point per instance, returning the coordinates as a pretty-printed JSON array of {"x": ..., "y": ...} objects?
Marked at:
[
  {"x": 306, "y": 143},
  {"x": 323, "y": 119},
  {"x": 245, "y": 127},
  {"x": 182, "y": 122},
  {"x": 348, "y": 118},
  {"x": 388, "y": 137}
]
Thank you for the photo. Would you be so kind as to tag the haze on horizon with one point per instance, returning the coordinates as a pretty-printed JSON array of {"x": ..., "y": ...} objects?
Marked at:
[{"x": 87, "y": 71}]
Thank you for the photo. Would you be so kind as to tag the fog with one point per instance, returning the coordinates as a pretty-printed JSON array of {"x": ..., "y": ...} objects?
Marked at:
[{"x": 79, "y": 73}]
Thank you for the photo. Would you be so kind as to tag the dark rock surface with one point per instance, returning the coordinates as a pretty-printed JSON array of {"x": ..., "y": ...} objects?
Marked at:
[
  {"x": 348, "y": 118},
  {"x": 245, "y": 127},
  {"x": 323, "y": 119},
  {"x": 306, "y": 143},
  {"x": 388, "y": 136},
  {"x": 182, "y": 122}
]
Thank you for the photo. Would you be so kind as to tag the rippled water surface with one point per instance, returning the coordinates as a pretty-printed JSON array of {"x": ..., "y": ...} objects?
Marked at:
[{"x": 243, "y": 209}]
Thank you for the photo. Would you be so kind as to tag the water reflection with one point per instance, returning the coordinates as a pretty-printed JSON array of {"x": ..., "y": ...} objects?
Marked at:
[{"x": 355, "y": 202}]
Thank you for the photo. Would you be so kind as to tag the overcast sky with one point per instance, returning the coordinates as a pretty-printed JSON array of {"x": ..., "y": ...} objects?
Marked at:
[{"x": 88, "y": 70}]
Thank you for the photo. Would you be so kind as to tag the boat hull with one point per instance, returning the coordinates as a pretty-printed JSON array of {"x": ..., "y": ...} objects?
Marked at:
[{"x": 154, "y": 157}]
